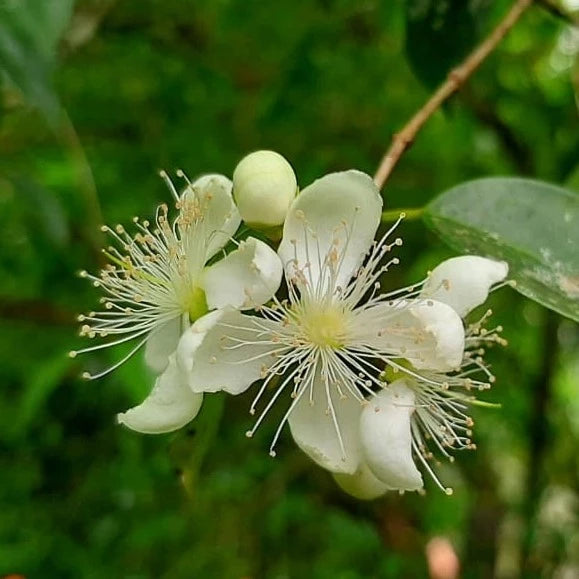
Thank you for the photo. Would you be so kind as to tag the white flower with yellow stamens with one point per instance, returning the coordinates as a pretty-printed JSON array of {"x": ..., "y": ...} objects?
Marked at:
[
  {"x": 334, "y": 335},
  {"x": 427, "y": 410},
  {"x": 161, "y": 280}
]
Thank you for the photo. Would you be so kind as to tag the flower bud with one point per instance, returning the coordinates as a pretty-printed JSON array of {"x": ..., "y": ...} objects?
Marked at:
[{"x": 264, "y": 186}]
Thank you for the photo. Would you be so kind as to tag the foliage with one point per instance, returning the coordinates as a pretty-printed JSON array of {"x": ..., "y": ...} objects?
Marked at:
[
  {"x": 198, "y": 85},
  {"x": 530, "y": 224}
]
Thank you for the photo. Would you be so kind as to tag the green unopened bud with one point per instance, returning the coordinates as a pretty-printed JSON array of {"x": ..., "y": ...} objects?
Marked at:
[{"x": 264, "y": 185}]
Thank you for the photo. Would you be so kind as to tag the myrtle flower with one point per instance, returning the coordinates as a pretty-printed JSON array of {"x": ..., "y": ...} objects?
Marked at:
[
  {"x": 328, "y": 343},
  {"x": 164, "y": 278},
  {"x": 426, "y": 412}
]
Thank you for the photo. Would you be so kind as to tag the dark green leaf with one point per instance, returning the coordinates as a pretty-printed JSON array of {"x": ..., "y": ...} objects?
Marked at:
[
  {"x": 439, "y": 34},
  {"x": 532, "y": 225}
]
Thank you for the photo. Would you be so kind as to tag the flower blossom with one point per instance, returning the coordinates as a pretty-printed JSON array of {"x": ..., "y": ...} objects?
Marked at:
[
  {"x": 164, "y": 278},
  {"x": 426, "y": 410},
  {"x": 333, "y": 340}
]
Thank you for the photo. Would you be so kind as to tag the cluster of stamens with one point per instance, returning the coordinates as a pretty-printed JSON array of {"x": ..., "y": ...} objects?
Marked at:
[
  {"x": 315, "y": 341},
  {"x": 442, "y": 401},
  {"x": 149, "y": 277},
  {"x": 314, "y": 332}
]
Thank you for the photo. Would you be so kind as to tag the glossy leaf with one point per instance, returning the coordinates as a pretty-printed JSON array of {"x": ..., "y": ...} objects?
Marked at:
[{"x": 532, "y": 225}]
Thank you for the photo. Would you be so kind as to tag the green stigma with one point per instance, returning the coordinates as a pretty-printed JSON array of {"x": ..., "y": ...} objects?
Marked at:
[
  {"x": 197, "y": 304},
  {"x": 390, "y": 374}
]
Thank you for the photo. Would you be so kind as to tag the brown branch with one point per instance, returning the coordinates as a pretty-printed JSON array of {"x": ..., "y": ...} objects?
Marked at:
[{"x": 456, "y": 78}]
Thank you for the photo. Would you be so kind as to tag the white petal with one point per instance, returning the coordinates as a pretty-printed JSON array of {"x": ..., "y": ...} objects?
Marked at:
[
  {"x": 246, "y": 278},
  {"x": 362, "y": 484},
  {"x": 335, "y": 217},
  {"x": 463, "y": 282},
  {"x": 161, "y": 344},
  {"x": 428, "y": 333},
  {"x": 215, "y": 352},
  {"x": 220, "y": 215},
  {"x": 444, "y": 329},
  {"x": 387, "y": 440},
  {"x": 169, "y": 406},
  {"x": 314, "y": 431}
]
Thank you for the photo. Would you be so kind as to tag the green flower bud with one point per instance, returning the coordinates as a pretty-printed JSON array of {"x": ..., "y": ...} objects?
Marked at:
[{"x": 264, "y": 186}]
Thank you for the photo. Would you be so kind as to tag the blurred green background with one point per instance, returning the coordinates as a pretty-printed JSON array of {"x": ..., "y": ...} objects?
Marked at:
[{"x": 196, "y": 85}]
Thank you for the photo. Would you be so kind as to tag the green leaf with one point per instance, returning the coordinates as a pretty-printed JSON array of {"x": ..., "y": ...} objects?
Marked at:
[
  {"x": 439, "y": 34},
  {"x": 532, "y": 225},
  {"x": 29, "y": 34}
]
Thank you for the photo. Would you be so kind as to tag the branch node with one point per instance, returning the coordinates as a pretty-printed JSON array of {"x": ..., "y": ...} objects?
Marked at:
[
  {"x": 403, "y": 139},
  {"x": 457, "y": 76}
]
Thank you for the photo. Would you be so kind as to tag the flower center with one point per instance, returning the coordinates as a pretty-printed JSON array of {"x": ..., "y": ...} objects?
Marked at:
[
  {"x": 196, "y": 304},
  {"x": 325, "y": 328}
]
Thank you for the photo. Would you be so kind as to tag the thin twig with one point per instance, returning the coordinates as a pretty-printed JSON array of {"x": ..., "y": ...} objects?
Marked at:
[{"x": 456, "y": 78}]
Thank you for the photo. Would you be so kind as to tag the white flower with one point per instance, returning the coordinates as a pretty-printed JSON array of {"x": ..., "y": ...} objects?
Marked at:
[
  {"x": 162, "y": 279},
  {"x": 427, "y": 410},
  {"x": 264, "y": 186},
  {"x": 331, "y": 339}
]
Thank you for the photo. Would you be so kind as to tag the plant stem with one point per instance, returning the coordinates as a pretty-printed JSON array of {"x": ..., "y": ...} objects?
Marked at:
[
  {"x": 456, "y": 78},
  {"x": 206, "y": 426},
  {"x": 409, "y": 214}
]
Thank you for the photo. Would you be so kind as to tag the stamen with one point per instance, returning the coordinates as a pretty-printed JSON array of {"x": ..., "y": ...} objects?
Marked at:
[
  {"x": 153, "y": 276},
  {"x": 182, "y": 175},
  {"x": 325, "y": 348},
  {"x": 169, "y": 183},
  {"x": 88, "y": 376}
]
